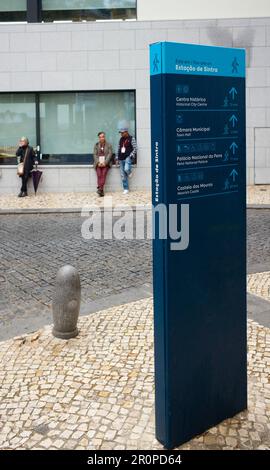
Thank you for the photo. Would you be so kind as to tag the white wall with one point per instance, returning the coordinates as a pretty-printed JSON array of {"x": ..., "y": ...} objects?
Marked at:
[
  {"x": 114, "y": 56},
  {"x": 201, "y": 9}
]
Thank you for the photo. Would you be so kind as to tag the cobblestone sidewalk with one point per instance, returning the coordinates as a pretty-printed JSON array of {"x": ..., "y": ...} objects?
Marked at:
[
  {"x": 73, "y": 200},
  {"x": 259, "y": 284},
  {"x": 255, "y": 195},
  {"x": 96, "y": 391},
  {"x": 259, "y": 194}
]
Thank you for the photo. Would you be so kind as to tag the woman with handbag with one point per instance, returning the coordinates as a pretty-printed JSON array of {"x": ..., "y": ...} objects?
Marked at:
[{"x": 26, "y": 160}]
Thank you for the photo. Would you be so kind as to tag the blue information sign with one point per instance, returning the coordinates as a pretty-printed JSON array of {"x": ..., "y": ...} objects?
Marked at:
[{"x": 199, "y": 247}]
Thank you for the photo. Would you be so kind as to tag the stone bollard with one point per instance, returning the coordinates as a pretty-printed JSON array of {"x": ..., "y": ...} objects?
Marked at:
[{"x": 66, "y": 303}]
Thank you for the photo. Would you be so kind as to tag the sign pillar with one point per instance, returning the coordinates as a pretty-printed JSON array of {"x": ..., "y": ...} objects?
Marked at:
[{"x": 199, "y": 247}]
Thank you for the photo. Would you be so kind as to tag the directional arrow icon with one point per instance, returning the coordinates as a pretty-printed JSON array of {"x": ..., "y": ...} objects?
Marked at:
[
  {"x": 233, "y": 92},
  {"x": 233, "y": 147},
  {"x": 234, "y": 174},
  {"x": 233, "y": 119}
]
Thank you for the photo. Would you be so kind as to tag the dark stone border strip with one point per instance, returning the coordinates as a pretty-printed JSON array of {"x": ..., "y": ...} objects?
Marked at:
[
  {"x": 258, "y": 206},
  {"x": 258, "y": 309},
  {"x": 258, "y": 268},
  {"x": 17, "y": 327},
  {"x": 77, "y": 210}
]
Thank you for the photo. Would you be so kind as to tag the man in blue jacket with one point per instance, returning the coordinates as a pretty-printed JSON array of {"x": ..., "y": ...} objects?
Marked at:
[{"x": 126, "y": 155}]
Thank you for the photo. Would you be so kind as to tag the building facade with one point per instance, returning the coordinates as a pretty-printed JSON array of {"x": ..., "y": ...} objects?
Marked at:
[{"x": 70, "y": 69}]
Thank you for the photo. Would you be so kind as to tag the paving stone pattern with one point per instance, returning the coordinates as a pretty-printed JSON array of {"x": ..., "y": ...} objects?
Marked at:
[
  {"x": 96, "y": 391},
  {"x": 34, "y": 246}
]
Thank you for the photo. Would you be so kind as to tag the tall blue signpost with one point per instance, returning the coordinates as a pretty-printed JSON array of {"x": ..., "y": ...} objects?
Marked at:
[{"x": 199, "y": 181}]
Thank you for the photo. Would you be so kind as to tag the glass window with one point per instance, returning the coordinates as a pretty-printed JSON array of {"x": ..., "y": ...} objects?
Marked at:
[
  {"x": 67, "y": 123},
  {"x": 17, "y": 119},
  {"x": 13, "y": 10},
  {"x": 70, "y": 122},
  {"x": 78, "y": 10}
]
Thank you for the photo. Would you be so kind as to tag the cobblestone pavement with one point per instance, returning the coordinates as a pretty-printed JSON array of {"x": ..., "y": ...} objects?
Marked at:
[
  {"x": 96, "y": 391},
  {"x": 259, "y": 194},
  {"x": 34, "y": 247},
  {"x": 258, "y": 240},
  {"x": 259, "y": 284},
  {"x": 72, "y": 200}
]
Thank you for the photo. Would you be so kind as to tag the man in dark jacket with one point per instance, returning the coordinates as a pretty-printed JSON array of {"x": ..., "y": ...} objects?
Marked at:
[
  {"x": 127, "y": 149},
  {"x": 26, "y": 155}
]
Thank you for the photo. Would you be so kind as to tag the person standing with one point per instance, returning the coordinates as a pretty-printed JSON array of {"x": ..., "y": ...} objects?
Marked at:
[
  {"x": 102, "y": 161},
  {"x": 25, "y": 154},
  {"x": 127, "y": 149}
]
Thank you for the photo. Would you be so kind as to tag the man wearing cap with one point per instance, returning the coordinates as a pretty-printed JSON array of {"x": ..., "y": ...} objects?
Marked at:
[{"x": 126, "y": 155}]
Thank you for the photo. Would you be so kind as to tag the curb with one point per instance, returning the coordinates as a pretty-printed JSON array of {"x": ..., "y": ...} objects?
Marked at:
[
  {"x": 258, "y": 206},
  {"x": 77, "y": 210}
]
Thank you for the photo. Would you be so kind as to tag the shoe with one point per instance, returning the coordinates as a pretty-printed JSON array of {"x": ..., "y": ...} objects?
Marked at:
[
  {"x": 20, "y": 194},
  {"x": 126, "y": 191},
  {"x": 99, "y": 191},
  {"x": 24, "y": 194}
]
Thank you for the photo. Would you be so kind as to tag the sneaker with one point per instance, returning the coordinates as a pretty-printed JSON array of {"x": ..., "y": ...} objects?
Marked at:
[{"x": 125, "y": 191}]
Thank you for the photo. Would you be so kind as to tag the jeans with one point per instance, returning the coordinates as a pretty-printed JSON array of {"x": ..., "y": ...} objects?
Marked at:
[{"x": 125, "y": 170}]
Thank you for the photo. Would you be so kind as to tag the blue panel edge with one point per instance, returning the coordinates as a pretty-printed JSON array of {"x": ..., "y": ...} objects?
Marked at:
[{"x": 193, "y": 59}]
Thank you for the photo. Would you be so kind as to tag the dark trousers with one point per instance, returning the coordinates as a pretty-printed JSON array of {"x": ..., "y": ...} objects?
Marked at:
[
  {"x": 24, "y": 183},
  {"x": 101, "y": 176}
]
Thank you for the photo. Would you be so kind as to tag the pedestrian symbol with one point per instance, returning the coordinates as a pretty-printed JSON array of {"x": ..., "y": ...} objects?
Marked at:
[
  {"x": 235, "y": 65},
  {"x": 227, "y": 184},
  {"x": 155, "y": 63}
]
